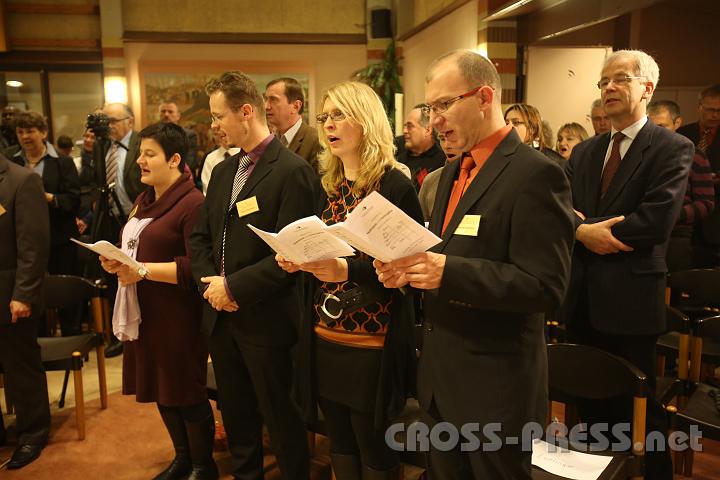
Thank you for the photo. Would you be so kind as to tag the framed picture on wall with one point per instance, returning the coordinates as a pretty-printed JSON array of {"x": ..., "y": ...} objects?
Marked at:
[{"x": 184, "y": 84}]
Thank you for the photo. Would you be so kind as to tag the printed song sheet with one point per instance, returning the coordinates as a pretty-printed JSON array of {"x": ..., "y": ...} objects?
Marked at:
[
  {"x": 108, "y": 250},
  {"x": 567, "y": 463}
]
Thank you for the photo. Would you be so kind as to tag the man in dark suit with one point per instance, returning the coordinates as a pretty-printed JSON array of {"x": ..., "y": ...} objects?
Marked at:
[
  {"x": 24, "y": 250},
  {"x": 704, "y": 134},
  {"x": 627, "y": 190},
  {"x": 504, "y": 214},
  {"x": 284, "y": 105},
  {"x": 250, "y": 302}
]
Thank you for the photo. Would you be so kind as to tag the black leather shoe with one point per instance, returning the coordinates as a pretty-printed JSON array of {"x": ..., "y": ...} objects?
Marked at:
[
  {"x": 114, "y": 350},
  {"x": 23, "y": 455}
]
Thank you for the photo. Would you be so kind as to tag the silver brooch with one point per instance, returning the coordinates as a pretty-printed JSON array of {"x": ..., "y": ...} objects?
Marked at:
[{"x": 132, "y": 243}]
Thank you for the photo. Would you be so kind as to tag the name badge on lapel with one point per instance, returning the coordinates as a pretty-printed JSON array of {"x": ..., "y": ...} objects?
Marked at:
[
  {"x": 469, "y": 226},
  {"x": 247, "y": 206},
  {"x": 2, "y": 210}
]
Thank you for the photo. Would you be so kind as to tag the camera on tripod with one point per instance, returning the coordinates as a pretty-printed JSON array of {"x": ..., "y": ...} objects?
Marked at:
[{"x": 99, "y": 123}]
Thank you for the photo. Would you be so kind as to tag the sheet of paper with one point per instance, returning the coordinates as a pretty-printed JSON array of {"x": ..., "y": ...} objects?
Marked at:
[
  {"x": 305, "y": 240},
  {"x": 108, "y": 250},
  {"x": 567, "y": 463},
  {"x": 386, "y": 232}
]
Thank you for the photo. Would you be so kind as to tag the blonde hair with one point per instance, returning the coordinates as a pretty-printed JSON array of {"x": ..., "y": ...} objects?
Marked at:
[
  {"x": 575, "y": 129},
  {"x": 362, "y": 106}
]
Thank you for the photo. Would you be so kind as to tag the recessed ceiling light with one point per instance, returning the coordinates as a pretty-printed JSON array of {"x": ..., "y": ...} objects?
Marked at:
[{"x": 14, "y": 83}]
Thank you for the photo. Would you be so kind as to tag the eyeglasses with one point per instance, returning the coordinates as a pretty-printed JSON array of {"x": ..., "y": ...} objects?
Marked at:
[
  {"x": 116, "y": 120},
  {"x": 335, "y": 116},
  {"x": 618, "y": 81},
  {"x": 711, "y": 111},
  {"x": 516, "y": 122},
  {"x": 217, "y": 118},
  {"x": 441, "y": 107}
]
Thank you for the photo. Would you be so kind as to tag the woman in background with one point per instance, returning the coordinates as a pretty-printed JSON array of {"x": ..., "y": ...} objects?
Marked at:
[
  {"x": 568, "y": 136},
  {"x": 528, "y": 124},
  {"x": 357, "y": 360},
  {"x": 165, "y": 355}
]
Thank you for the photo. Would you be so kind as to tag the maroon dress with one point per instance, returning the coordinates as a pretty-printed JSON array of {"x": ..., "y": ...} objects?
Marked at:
[{"x": 167, "y": 364}]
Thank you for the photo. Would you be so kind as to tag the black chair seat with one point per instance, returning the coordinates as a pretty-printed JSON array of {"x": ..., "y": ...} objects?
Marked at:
[
  {"x": 700, "y": 410},
  {"x": 668, "y": 344},
  {"x": 55, "y": 349}
]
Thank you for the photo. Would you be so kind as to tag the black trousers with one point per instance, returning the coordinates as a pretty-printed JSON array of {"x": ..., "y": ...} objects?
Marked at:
[
  {"x": 640, "y": 351},
  {"x": 353, "y": 433},
  {"x": 507, "y": 463},
  {"x": 25, "y": 380},
  {"x": 254, "y": 385}
]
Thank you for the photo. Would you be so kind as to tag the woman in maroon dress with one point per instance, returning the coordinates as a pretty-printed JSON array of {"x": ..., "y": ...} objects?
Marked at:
[{"x": 158, "y": 309}]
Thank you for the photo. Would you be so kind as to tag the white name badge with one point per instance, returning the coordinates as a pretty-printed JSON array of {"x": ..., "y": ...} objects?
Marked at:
[
  {"x": 247, "y": 206},
  {"x": 469, "y": 226}
]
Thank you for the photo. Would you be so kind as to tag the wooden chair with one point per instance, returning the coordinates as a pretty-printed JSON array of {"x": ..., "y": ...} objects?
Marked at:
[
  {"x": 700, "y": 409},
  {"x": 67, "y": 353},
  {"x": 674, "y": 345},
  {"x": 578, "y": 372}
]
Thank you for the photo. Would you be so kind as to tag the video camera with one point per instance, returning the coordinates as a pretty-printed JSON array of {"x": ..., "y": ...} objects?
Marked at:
[{"x": 99, "y": 123}]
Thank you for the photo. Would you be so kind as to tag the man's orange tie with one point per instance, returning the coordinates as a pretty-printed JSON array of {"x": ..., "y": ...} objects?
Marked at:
[{"x": 468, "y": 163}]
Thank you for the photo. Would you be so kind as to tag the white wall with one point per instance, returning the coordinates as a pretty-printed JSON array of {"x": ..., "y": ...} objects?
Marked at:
[
  {"x": 456, "y": 30},
  {"x": 562, "y": 83}
]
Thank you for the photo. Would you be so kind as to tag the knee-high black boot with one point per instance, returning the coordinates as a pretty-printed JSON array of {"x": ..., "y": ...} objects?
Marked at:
[
  {"x": 200, "y": 426},
  {"x": 175, "y": 425}
]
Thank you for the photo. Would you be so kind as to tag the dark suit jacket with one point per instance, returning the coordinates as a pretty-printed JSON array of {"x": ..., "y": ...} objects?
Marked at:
[
  {"x": 305, "y": 143},
  {"x": 626, "y": 291},
  {"x": 285, "y": 188},
  {"x": 484, "y": 326},
  {"x": 709, "y": 229},
  {"x": 24, "y": 237},
  {"x": 60, "y": 178}
]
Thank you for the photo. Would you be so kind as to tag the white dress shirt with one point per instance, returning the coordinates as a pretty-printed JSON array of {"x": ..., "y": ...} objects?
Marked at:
[{"x": 211, "y": 161}]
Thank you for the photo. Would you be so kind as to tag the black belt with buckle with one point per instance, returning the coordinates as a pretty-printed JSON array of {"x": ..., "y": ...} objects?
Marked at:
[{"x": 332, "y": 306}]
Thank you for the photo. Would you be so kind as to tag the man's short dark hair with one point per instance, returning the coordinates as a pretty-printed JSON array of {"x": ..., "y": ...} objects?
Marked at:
[
  {"x": 293, "y": 90},
  {"x": 656, "y": 107},
  {"x": 63, "y": 141},
  {"x": 711, "y": 91},
  {"x": 171, "y": 138},
  {"x": 31, "y": 120},
  {"x": 238, "y": 89}
]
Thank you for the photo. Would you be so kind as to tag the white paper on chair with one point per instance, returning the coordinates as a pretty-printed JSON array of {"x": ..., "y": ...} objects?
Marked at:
[
  {"x": 108, "y": 250},
  {"x": 305, "y": 240},
  {"x": 567, "y": 463}
]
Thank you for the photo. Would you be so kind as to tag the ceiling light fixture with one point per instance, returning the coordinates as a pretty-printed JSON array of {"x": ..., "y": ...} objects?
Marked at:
[{"x": 14, "y": 83}]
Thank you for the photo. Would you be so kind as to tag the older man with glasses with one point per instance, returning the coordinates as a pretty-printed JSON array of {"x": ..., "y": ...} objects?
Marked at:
[
  {"x": 627, "y": 190},
  {"x": 704, "y": 134}
]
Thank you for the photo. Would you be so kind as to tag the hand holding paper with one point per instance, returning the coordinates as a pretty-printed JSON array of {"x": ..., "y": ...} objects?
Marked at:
[{"x": 110, "y": 251}]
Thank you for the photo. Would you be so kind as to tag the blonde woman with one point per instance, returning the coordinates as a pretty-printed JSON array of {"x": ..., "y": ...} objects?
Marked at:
[
  {"x": 568, "y": 136},
  {"x": 355, "y": 337},
  {"x": 528, "y": 123}
]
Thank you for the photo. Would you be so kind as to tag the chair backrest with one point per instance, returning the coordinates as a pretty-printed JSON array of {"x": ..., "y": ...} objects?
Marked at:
[
  {"x": 582, "y": 372},
  {"x": 676, "y": 320},
  {"x": 708, "y": 328},
  {"x": 63, "y": 291},
  {"x": 702, "y": 286}
]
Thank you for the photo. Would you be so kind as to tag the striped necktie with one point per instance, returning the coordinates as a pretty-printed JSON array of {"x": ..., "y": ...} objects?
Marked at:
[
  {"x": 111, "y": 165},
  {"x": 241, "y": 176},
  {"x": 704, "y": 142}
]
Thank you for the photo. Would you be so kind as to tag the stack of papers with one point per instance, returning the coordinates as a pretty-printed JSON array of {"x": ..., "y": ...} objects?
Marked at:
[
  {"x": 567, "y": 463},
  {"x": 376, "y": 227},
  {"x": 108, "y": 250}
]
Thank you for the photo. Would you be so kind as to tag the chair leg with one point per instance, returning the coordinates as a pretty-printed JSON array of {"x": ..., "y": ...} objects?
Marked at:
[
  {"x": 8, "y": 403},
  {"x": 79, "y": 396},
  {"x": 102, "y": 379},
  {"x": 689, "y": 458},
  {"x": 61, "y": 403}
]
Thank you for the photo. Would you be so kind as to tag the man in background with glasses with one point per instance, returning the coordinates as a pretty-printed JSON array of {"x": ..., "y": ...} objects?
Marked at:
[
  {"x": 627, "y": 189},
  {"x": 504, "y": 214},
  {"x": 704, "y": 134}
]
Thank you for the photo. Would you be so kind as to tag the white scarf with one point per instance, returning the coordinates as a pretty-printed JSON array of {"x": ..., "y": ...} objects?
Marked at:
[{"x": 126, "y": 315}]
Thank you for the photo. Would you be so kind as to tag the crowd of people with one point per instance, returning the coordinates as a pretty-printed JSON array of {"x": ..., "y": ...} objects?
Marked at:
[{"x": 587, "y": 228}]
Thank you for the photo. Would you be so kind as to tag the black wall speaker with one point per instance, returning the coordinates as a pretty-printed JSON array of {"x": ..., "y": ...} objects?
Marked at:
[{"x": 380, "y": 23}]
